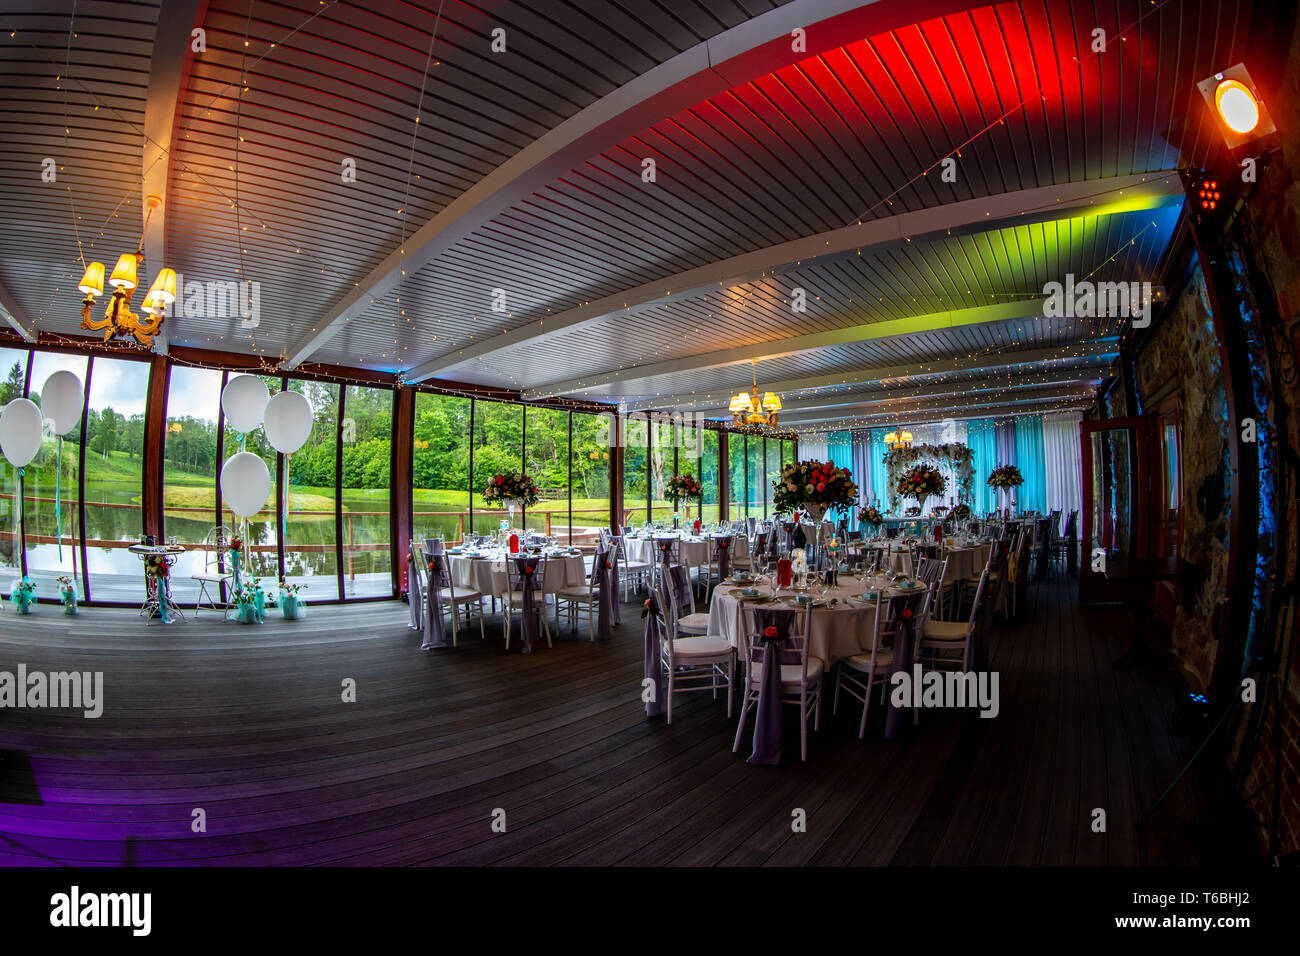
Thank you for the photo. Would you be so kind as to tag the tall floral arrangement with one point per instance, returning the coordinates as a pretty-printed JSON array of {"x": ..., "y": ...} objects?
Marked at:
[
  {"x": 1006, "y": 478},
  {"x": 681, "y": 488},
  {"x": 920, "y": 482},
  {"x": 507, "y": 485},
  {"x": 815, "y": 484},
  {"x": 959, "y": 459}
]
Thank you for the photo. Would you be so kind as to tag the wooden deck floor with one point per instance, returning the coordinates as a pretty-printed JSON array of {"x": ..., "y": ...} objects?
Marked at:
[{"x": 247, "y": 724}]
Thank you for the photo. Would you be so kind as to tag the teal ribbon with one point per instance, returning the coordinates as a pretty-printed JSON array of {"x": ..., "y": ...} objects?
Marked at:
[{"x": 58, "y": 498}]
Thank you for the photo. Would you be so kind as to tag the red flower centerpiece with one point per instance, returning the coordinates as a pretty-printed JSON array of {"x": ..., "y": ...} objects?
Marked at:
[
  {"x": 920, "y": 482},
  {"x": 814, "y": 486}
]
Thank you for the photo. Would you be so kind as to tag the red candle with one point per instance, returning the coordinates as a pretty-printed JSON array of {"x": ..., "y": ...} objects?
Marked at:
[
  {"x": 514, "y": 544},
  {"x": 783, "y": 574}
]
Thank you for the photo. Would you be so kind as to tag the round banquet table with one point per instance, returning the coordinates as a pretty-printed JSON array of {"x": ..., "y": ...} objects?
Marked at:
[
  {"x": 488, "y": 575},
  {"x": 837, "y": 632},
  {"x": 963, "y": 562},
  {"x": 692, "y": 552}
]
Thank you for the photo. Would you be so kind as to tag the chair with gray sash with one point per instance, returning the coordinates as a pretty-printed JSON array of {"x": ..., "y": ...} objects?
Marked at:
[
  {"x": 527, "y": 578},
  {"x": 858, "y": 675},
  {"x": 800, "y": 674},
  {"x": 587, "y": 596},
  {"x": 701, "y": 663}
]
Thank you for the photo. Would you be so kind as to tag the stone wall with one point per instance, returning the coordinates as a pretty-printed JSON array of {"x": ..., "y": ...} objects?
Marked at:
[
  {"x": 1182, "y": 358},
  {"x": 1274, "y": 218}
]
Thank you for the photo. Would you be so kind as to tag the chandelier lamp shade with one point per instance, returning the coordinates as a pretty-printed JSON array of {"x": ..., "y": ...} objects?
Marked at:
[
  {"x": 748, "y": 409},
  {"x": 119, "y": 321},
  {"x": 898, "y": 439}
]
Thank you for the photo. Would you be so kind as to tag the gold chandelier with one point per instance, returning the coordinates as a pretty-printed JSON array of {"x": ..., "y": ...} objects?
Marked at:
[
  {"x": 898, "y": 439},
  {"x": 119, "y": 321},
  {"x": 746, "y": 409}
]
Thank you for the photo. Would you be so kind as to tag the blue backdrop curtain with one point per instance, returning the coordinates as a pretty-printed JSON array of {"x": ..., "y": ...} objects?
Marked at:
[
  {"x": 879, "y": 480},
  {"x": 981, "y": 436},
  {"x": 862, "y": 471},
  {"x": 1032, "y": 495},
  {"x": 839, "y": 448}
]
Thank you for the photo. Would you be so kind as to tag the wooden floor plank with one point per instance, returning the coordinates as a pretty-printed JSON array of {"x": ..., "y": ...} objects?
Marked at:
[{"x": 247, "y": 723}]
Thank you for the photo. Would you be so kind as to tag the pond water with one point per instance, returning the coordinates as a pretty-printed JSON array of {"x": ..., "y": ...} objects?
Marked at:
[{"x": 113, "y": 522}]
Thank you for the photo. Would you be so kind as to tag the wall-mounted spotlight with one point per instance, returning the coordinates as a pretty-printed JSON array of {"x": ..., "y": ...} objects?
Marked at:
[{"x": 1238, "y": 109}]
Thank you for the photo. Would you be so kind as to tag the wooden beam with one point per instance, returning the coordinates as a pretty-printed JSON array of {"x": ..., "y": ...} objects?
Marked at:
[
  {"x": 753, "y": 48},
  {"x": 775, "y": 348},
  {"x": 1047, "y": 203},
  {"x": 169, "y": 72}
]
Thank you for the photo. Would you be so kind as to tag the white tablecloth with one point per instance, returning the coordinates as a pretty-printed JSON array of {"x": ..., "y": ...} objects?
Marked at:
[
  {"x": 962, "y": 562},
  {"x": 692, "y": 552},
  {"x": 837, "y": 632},
  {"x": 489, "y": 575}
]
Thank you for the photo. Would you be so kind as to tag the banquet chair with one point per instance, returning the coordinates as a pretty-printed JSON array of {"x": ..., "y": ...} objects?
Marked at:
[
  {"x": 584, "y": 596},
  {"x": 859, "y": 674},
  {"x": 1018, "y": 573},
  {"x": 214, "y": 547},
  {"x": 1061, "y": 544},
  {"x": 631, "y": 571},
  {"x": 942, "y": 639},
  {"x": 801, "y": 683},
  {"x": 717, "y": 545},
  {"x": 415, "y": 587},
  {"x": 452, "y": 600},
  {"x": 666, "y": 552},
  {"x": 931, "y": 573},
  {"x": 470, "y": 600},
  {"x": 694, "y": 663},
  {"x": 514, "y": 600},
  {"x": 681, "y": 597}
]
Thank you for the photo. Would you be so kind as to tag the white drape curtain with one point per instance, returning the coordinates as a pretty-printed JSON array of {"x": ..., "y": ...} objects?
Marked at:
[
  {"x": 1064, "y": 462},
  {"x": 813, "y": 447}
]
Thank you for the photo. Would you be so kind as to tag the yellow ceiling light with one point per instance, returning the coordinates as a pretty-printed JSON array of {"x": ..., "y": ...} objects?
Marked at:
[
  {"x": 747, "y": 410},
  {"x": 119, "y": 321}
]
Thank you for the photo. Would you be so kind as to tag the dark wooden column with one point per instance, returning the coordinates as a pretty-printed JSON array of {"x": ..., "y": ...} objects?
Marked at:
[
  {"x": 617, "y": 433},
  {"x": 400, "y": 517},
  {"x": 155, "y": 435},
  {"x": 724, "y": 477}
]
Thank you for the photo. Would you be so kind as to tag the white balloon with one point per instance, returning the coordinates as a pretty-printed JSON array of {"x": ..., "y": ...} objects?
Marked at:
[
  {"x": 20, "y": 431},
  {"x": 245, "y": 484},
  {"x": 244, "y": 401},
  {"x": 288, "y": 421},
  {"x": 62, "y": 399}
]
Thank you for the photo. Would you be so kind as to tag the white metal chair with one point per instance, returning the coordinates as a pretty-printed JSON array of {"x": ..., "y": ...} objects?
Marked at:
[
  {"x": 695, "y": 663},
  {"x": 513, "y": 600},
  {"x": 214, "y": 547},
  {"x": 682, "y": 603},
  {"x": 583, "y": 597},
  {"x": 943, "y": 639},
  {"x": 859, "y": 674},
  {"x": 801, "y": 683},
  {"x": 631, "y": 571}
]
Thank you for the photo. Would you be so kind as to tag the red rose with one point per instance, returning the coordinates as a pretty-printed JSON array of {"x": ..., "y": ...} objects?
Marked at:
[
  {"x": 500, "y": 480},
  {"x": 821, "y": 486},
  {"x": 769, "y": 631},
  {"x": 528, "y": 570},
  {"x": 907, "y": 612}
]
